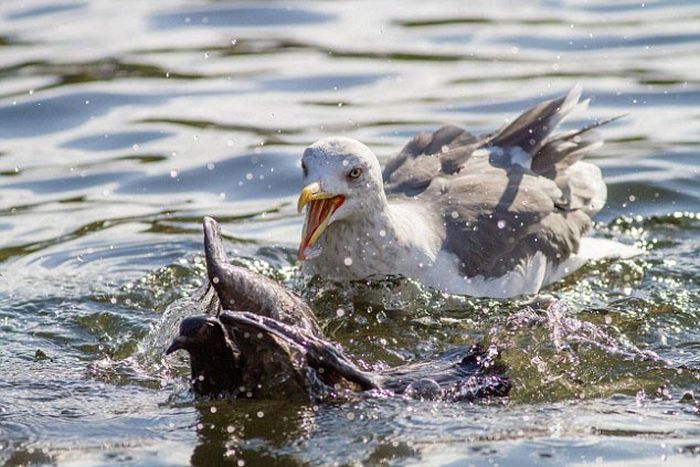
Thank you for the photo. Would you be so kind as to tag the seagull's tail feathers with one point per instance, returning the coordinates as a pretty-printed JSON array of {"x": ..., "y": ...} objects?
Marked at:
[
  {"x": 581, "y": 182},
  {"x": 563, "y": 150},
  {"x": 583, "y": 188},
  {"x": 594, "y": 249}
]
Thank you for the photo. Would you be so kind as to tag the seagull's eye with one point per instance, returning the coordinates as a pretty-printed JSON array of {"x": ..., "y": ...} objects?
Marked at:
[
  {"x": 306, "y": 171},
  {"x": 354, "y": 173}
]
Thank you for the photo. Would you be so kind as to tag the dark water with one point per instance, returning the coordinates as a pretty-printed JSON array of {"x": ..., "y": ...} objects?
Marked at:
[{"x": 123, "y": 123}]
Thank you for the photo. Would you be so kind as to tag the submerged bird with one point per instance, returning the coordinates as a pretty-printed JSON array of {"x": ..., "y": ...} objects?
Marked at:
[
  {"x": 498, "y": 215},
  {"x": 275, "y": 349}
]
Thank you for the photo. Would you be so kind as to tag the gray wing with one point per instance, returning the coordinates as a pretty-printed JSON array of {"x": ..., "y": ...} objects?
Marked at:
[
  {"x": 426, "y": 156},
  {"x": 495, "y": 212},
  {"x": 494, "y": 219}
]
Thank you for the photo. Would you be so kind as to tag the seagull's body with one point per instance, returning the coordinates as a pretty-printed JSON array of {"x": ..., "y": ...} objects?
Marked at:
[{"x": 498, "y": 216}]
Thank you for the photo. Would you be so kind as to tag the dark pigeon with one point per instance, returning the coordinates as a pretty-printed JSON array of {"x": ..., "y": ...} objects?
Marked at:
[{"x": 275, "y": 349}]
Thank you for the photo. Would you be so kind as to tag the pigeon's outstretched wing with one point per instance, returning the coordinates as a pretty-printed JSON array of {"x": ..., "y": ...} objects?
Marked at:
[{"x": 241, "y": 289}]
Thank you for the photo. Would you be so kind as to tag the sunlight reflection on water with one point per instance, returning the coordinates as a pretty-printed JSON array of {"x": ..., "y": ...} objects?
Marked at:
[{"x": 123, "y": 123}]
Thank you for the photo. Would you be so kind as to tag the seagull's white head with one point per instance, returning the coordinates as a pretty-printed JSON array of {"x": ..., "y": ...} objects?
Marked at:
[{"x": 342, "y": 180}]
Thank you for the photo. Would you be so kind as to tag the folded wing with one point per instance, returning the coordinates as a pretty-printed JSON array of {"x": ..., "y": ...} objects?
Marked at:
[{"x": 505, "y": 196}]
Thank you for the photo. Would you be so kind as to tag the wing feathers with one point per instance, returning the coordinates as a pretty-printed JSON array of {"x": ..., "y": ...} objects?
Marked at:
[
  {"x": 496, "y": 213},
  {"x": 530, "y": 131}
]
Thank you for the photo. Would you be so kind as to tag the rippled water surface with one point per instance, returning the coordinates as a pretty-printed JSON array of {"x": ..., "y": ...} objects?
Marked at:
[{"x": 123, "y": 123}]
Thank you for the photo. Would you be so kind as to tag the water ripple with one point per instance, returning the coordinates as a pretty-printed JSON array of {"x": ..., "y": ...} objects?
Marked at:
[{"x": 122, "y": 124}]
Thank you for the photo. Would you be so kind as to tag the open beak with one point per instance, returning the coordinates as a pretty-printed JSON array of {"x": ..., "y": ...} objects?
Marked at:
[
  {"x": 178, "y": 343},
  {"x": 322, "y": 205}
]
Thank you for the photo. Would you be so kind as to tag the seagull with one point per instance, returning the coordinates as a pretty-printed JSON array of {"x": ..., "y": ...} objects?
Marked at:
[{"x": 499, "y": 215}]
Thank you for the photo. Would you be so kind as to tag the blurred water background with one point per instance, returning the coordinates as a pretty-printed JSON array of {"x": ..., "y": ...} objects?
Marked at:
[{"x": 122, "y": 123}]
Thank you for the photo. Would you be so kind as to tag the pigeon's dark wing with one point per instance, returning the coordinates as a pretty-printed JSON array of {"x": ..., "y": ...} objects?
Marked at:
[
  {"x": 297, "y": 350},
  {"x": 456, "y": 375},
  {"x": 241, "y": 289},
  {"x": 506, "y": 196},
  {"x": 320, "y": 366}
]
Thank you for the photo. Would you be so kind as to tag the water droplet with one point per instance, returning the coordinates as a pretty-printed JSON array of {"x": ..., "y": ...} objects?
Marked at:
[
  {"x": 249, "y": 176},
  {"x": 211, "y": 166},
  {"x": 113, "y": 300},
  {"x": 173, "y": 173},
  {"x": 261, "y": 414},
  {"x": 230, "y": 429},
  {"x": 212, "y": 409},
  {"x": 501, "y": 224},
  {"x": 215, "y": 280},
  {"x": 340, "y": 312},
  {"x": 454, "y": 214},
  {"x": 347, "y": 261},
  {"x": 382, "y": 233}
]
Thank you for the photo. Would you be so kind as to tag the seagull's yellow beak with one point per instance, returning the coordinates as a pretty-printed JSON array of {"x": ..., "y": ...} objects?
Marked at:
[
  {"x": 322, "y": 205},
  {"x": 311, "y": 192}
]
